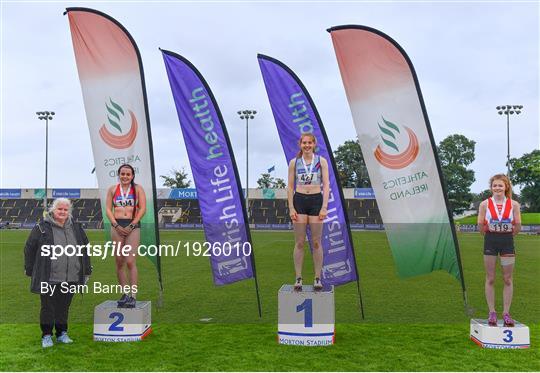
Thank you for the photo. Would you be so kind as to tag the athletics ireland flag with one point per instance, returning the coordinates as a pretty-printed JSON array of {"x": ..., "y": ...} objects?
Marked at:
[
  {"x": 295, "y": 114},
  {"x": 398, "y": 147},
  {"x": 214, "y": 172},
  {"x": 112, "y": 82}
]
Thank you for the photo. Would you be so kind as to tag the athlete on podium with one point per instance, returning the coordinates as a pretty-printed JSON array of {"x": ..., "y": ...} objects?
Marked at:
[
  {"x": 308, "y": 177},
  {"x": 499, "y": 220},
  {"x": 126, "y": 205}
]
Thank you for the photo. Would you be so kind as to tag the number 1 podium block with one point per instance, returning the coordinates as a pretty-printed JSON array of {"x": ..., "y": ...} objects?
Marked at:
[
  {"x": 499, "y": 336},
  {"x": 113, "y": 324},
  {"x": 306, "y": 318}
]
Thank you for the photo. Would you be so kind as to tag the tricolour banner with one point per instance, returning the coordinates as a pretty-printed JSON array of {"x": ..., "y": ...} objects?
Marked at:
[
  {"x": 296, "y": 114},
  {"x": 112, "y": 82},
  {"x": 214, "y": 172},
  {"x": 397, "y": 144}
]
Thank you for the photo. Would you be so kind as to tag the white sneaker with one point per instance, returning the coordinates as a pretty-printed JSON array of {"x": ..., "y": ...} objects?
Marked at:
[
  {"x": 317, "y": 284},
  {"x": 46, "y": 341},
  {"x": 298, "y": 284},
  {"x": 64, "y": 338}
]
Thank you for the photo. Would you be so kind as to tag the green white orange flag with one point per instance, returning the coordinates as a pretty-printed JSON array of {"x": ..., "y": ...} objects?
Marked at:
[
  {"x": 398, "y": 147},
  {"x": 114, "y": 94}
]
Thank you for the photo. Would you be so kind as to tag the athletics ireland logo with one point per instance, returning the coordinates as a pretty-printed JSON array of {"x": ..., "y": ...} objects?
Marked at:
[
  {"x": 390, "y": 133},
  {"x": 115, "y": 116}
]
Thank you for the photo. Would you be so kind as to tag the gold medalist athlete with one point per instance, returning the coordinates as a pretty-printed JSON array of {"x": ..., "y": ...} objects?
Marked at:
[{"x": 308, "y": 177}]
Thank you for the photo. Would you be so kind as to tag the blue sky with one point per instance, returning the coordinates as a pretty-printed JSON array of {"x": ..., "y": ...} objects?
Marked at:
[{"x": 469, "y": 58}]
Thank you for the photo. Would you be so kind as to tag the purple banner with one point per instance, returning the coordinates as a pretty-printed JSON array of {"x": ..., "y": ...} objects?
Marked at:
[
  {"x": 214, "y": 172},
  {"x": 295, "y": 114}
]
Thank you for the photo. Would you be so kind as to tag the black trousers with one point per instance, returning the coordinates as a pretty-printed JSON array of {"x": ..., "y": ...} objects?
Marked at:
[{"x": 54, "y": 312}]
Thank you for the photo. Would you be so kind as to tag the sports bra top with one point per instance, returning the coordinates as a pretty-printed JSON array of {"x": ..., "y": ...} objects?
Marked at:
[
  {"x": 308, "y": 174},
  {"x": 122, "y": 200}
]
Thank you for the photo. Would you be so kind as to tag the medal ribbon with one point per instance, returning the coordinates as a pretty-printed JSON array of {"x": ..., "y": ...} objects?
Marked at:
[
  {"x": 124, "y": 196},
  {"x": 497, "y": 211},
  {"x": 308, "y": 171}
]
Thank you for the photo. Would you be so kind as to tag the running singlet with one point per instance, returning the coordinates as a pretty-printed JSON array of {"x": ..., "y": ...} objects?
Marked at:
[
  {"x": 121, "y": 200},
  {"x": 308, "y": 174},
  {"x": 499, "y": 217}
]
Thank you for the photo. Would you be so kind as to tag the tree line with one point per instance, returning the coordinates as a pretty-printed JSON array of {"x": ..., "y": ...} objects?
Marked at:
[{"x": 455, "y": 152}]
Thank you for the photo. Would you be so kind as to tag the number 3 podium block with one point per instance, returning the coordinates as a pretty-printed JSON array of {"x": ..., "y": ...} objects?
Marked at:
[
  {"x": 306, "y": 318},
  {"x": 499, "y": 336},
  {"x": 113, "y": 324}
]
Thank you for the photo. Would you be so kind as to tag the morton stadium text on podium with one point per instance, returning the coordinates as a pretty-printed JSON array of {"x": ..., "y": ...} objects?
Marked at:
[
  {"x": 499, "y": 336},
  {"x": 306, "y": 318},
  {"x": 113, "y": 324}
]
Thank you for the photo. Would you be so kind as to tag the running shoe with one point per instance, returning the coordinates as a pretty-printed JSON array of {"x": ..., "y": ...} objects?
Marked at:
[
  {"x": 492, "y": 319},
  {"x": 508, "y": 321},
  {"x": 298, "y": 284},
  {"x": 46, "y": 341},
  {"x": 64, "y": 338},
  {"x": 121, "y": 303},
  {"x": 130, "y": 303},
  {"x": 317, "y": 284}
]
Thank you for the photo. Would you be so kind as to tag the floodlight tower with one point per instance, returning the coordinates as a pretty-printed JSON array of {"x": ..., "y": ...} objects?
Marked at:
[
  {"x": 508, "y": 110},
  {"x": 47, "y": 116},
  {"x": 247, "y": 115}
]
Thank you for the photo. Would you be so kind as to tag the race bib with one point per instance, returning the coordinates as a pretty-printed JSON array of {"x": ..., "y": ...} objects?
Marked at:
[
  {"x": 503, "y": 226},
  {"x": 307, "y": 179},
  {"x": 121, "y": 203}
]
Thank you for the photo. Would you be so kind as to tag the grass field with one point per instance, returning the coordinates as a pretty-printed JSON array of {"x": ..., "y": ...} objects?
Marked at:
[
  {"x": 410, "y": 325},
  {"x": 526, "y": 218}
]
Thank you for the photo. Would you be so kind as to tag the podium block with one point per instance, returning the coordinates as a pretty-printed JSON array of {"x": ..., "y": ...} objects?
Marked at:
[
  {"x": 113, "y": 324},
  {"x": 499, "y": 336},
  {"x": 306, "y": 318}
]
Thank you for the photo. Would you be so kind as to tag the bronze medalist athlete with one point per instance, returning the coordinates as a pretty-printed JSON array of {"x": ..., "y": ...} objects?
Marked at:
[{"x": 499, "y": 220}]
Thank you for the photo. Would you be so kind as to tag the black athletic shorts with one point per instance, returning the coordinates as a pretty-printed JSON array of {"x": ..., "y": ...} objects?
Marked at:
[
  {"x": 307, "y": 204},
  {"x": 125, "y": 222},
  {"x": 498, "y": 244}
]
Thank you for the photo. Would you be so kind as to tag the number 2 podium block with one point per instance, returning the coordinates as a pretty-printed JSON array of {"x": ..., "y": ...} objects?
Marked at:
[
  {"x": 113, "y": 324},
  {"x": 499, "y": 336},
  {"x": 306, "y": 318}
]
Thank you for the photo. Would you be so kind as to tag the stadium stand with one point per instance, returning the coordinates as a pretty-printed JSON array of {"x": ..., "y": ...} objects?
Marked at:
[
  {"x": 183, "y": 211},
  {"x": 363, "y": 211},
  {"x": 26, "y": 212}
]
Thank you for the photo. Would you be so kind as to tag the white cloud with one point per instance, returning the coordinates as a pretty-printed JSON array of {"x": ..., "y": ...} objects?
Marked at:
[{"x": 469, "y": 58}]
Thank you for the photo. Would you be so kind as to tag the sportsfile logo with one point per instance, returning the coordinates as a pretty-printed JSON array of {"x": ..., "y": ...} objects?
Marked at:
[
  {"x": 390, "y": 135},
  {"x": 115, "y": 117}
]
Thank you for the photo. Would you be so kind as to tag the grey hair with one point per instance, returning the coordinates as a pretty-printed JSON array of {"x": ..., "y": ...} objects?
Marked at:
[{"x": 58, "y": 201}]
